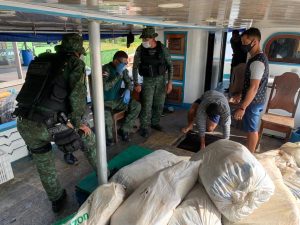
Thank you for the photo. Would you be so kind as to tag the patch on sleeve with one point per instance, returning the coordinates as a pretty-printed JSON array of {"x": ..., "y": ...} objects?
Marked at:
[{"x": 105, "y": 73}]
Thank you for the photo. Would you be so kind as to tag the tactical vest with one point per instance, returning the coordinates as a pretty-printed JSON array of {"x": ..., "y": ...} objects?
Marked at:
[
  {"x": 114, "y": 92},
  {"x": 260, "y": 96},
  {"x": 152, "y": 65},
  {"x": 45, "y": 90}
]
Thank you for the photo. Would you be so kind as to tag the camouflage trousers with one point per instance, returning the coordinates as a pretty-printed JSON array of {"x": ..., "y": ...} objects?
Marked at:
[
  {"x": 35, "y": 136},
  {"x": 153, "y": 98},
  {"x": 132, "y": 112}
]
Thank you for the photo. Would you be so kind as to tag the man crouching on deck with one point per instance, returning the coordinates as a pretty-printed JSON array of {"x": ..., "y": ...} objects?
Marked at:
[{"x": 213, "y": 107}]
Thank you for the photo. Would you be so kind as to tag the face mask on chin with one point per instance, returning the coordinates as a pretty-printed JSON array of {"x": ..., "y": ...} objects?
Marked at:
[
  {"x": 146, "y": 44},
  {"x": 247, "y": 48}
]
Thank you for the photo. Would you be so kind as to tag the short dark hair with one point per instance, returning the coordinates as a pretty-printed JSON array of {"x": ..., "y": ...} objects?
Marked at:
[
  {"x": 252, "y": 32},
  {"x": 212, "y": 109},
  {"x": 236, "y": 32},
  {"x": 120, "y": 54}
]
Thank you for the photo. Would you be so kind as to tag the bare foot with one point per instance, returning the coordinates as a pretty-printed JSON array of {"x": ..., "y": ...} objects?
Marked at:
[{"x": 186, "y": 129}]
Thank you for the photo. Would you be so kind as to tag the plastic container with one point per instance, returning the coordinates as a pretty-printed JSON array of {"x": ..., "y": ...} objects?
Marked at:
[
  {"x": 27, "y": 57},
  {"x": 7, "y": 107},
  {"x": 295, "y": 137},
  {"x": 6, "y": 172}
]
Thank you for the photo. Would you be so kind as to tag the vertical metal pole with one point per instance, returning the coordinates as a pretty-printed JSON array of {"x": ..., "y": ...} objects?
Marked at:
[
  {"x": 98, "y": 100},
  {"x": 17, "y": 60}
]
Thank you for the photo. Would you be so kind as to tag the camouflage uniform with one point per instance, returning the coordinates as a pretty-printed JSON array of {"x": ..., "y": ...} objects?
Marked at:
[
  {"x": 154, "y": 88},
  {"x": 36, "y": 135},
  {"x": 114, "y": 102}
]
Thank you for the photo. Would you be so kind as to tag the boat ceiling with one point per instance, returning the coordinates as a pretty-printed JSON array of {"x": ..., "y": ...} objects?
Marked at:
[{"x": 117, "y": 15}]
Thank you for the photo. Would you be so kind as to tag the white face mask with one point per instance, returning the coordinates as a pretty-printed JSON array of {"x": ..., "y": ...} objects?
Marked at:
[{"x": 146, "y": 44}]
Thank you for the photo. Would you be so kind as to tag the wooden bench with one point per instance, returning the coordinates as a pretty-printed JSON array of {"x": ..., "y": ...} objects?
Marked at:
[{"x": 118, "y": 115}]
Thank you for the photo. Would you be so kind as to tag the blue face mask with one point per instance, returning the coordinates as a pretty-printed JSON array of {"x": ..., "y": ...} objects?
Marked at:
[
  {"x": 121, "y": 67},
  {"x": 247, "y": 48}
]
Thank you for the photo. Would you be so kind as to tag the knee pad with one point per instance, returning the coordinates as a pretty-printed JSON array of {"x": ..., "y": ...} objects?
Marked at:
[{"x": 41, "y": 150}]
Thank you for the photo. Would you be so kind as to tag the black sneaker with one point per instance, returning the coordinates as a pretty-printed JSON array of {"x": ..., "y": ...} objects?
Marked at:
[
  {"x": 157, "y": 127},
  {"x": 70, "y": 158},
  {"x": 59, "y": 203},
  {"x": 144, "y": 132},
  {"x": 124, "y": 135},
  {"x": 109, "y": 142}
]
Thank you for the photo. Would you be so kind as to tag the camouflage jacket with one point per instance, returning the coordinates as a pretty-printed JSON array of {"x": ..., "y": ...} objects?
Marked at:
[
  {"x": 112, "y": 83},
  {"x": 137, "y": 61},
  {"x": 75, "y": 74}
]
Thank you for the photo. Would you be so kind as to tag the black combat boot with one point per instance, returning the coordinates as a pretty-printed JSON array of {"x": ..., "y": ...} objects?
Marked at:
[
  {"x": 58, "y": 204},
  {"x": 70, "y": 158},
  {"x": 109, "y": 142},
  {"x": 144, "y": 132},
  {"x": 124, "y": 135}
]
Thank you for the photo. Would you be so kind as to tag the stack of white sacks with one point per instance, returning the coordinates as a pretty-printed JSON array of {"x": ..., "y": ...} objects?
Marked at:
[{"x": 222, "y": 184}]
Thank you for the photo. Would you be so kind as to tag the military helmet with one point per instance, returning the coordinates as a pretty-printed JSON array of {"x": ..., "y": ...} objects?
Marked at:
[
  {"x": 148, "y": 32},
  {"x": 72, "y": 43}
]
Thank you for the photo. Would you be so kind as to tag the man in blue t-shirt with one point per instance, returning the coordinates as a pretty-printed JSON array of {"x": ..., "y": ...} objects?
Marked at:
[{"x": 255, "y": 86}]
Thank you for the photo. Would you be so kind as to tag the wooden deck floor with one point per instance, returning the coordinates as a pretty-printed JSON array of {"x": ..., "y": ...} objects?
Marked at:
[{"x": 24, "y": 202}]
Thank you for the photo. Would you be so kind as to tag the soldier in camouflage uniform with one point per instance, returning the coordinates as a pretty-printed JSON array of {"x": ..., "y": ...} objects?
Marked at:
[
  {"x": 152, "y": 61},
  {"x": 114, "y": 73},
  {"x": 36, "y": 134}
]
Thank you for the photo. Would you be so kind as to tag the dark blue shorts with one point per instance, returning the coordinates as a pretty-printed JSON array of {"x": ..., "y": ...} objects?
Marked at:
[
  {"x": 252, "y": 117},
  {"x": 214, "y": 119}
]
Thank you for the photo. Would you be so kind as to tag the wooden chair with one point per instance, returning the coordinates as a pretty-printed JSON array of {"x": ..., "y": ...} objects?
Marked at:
[
  {"x": 284, "y": 89},
  {"x": 116, "y": 117}
]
